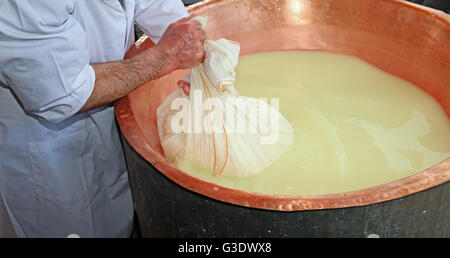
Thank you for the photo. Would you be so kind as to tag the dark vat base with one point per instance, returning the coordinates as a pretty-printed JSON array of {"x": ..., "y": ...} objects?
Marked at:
[{"x": 165, "y": 209}]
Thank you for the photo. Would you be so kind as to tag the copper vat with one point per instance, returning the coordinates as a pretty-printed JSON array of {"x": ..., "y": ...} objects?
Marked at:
[{"x": 404, "y": 39}]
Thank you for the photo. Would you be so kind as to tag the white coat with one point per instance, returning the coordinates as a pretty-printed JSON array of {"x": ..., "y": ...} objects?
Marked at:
[{"x": 63, "y": 173}]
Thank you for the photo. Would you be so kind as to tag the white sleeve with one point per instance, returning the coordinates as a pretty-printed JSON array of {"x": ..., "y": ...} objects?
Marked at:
[
  {"x": 44, "y": 57},
  {"x": 154, "y": 16}
]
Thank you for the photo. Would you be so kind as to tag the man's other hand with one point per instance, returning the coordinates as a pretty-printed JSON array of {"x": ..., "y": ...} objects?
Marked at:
[{"x": 182, "y": 43}]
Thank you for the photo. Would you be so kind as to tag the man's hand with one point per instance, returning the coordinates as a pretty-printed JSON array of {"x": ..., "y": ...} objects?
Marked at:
[
  {"x": 186, "y": 86},
  {"x": 182, "y": 43}
]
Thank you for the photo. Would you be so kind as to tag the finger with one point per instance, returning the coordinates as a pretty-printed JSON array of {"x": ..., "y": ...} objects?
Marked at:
[
  {"x": 196, "y": 52},
  {"x": 203, "y": 37},
  {"x": 199, "y": 51},
  {"x": 194, "y": 24},
  {"x": 199, "y": 35},
  {"x": 185, "y": 86},
  {"x": 201, "y": 55},
  {"x": 182, "y": 83},
  {"x": 176, "y": 24},
  {"x": 186, "y": 90},
  {"x": 188, "y": 27}
]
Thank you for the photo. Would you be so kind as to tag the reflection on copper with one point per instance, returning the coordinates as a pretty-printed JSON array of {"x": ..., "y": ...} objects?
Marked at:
[
  {"x": 404, "y": 39},
  {"x": 297, "y": 11}
]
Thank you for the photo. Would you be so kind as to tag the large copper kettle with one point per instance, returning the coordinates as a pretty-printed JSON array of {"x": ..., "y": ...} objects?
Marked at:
[{"x": 404, "y": 39}]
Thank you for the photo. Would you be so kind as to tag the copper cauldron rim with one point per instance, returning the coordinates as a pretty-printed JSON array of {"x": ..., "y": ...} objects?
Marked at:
[{"x": 426, "y": 179}]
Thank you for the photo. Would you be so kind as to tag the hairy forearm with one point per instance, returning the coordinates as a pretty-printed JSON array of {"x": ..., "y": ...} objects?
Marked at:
[
  {"x": 180, "y": 47},
  {"x": 116, "y": 79}
]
